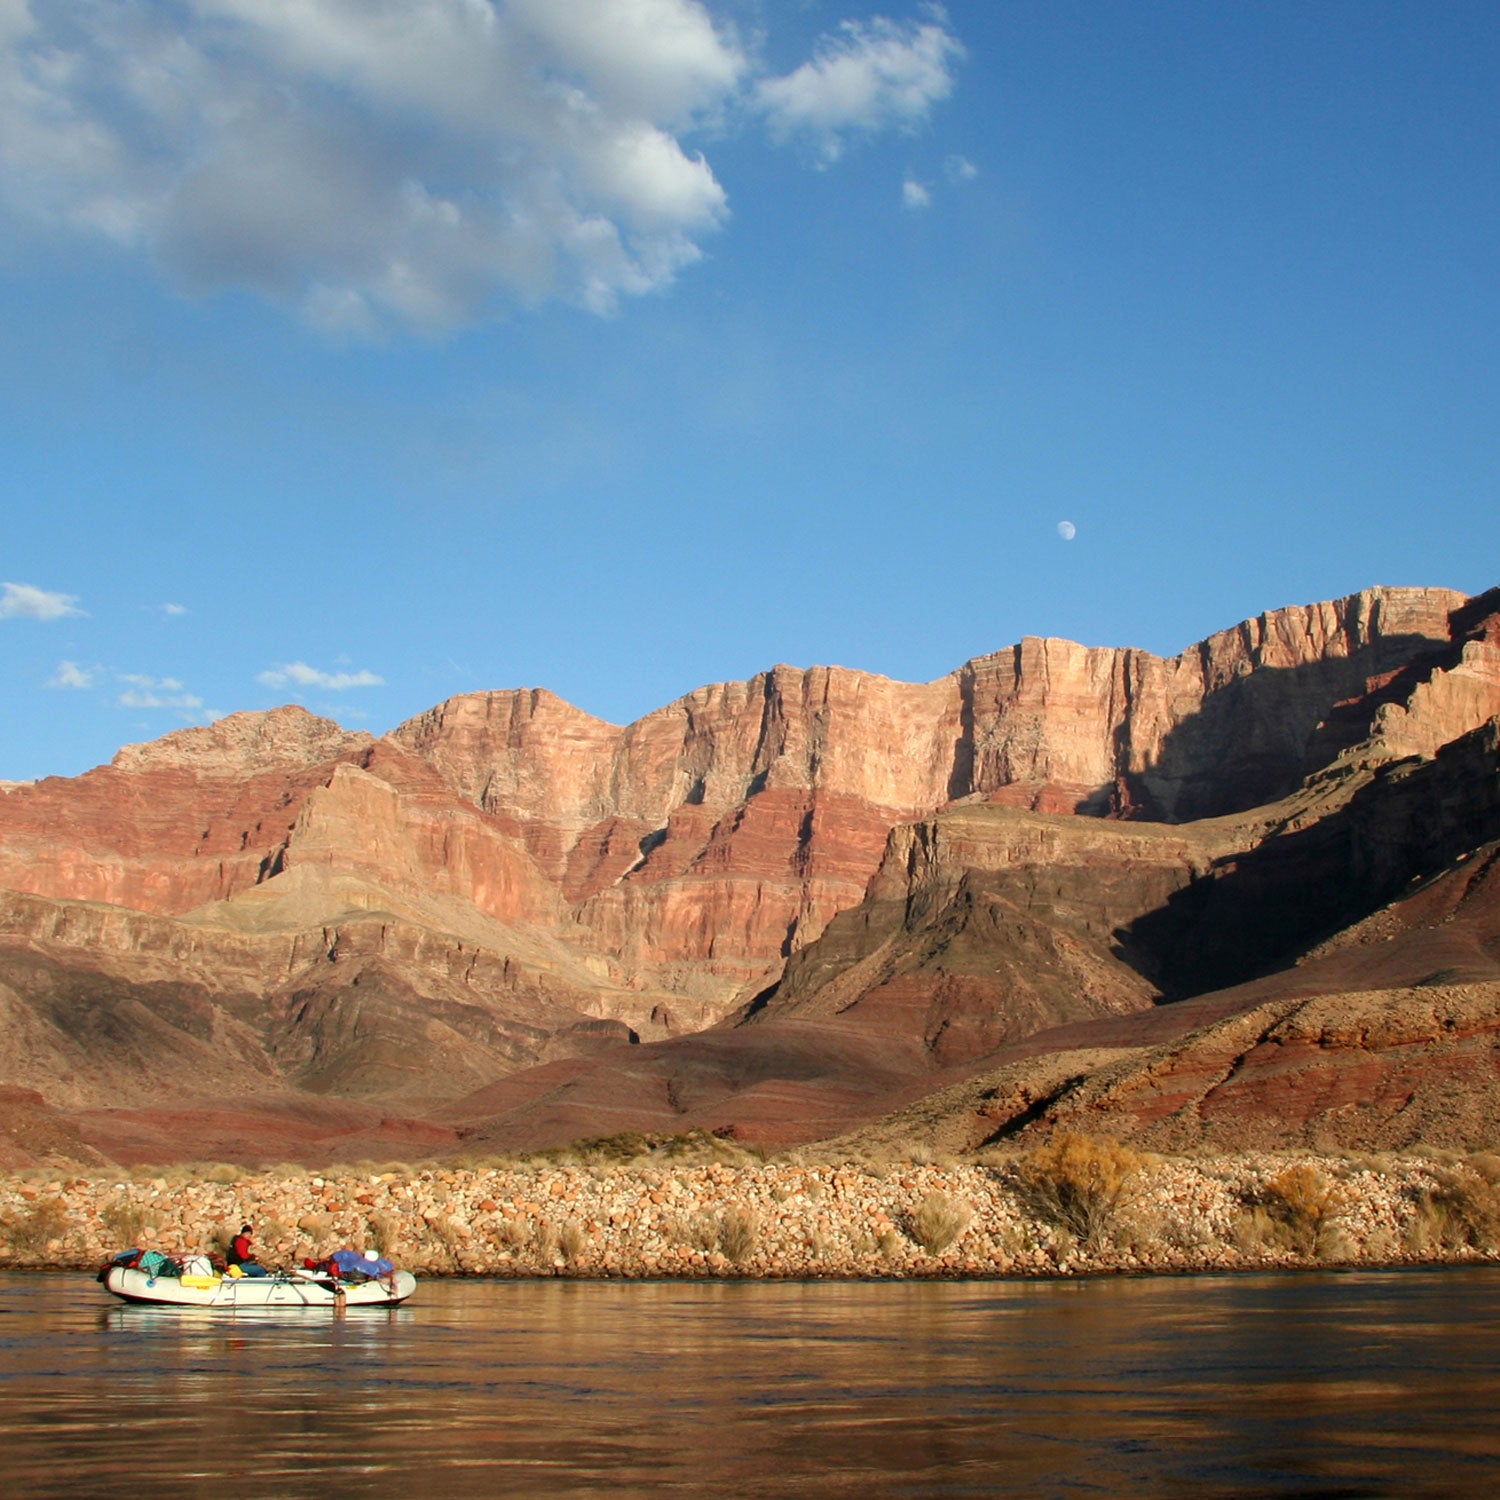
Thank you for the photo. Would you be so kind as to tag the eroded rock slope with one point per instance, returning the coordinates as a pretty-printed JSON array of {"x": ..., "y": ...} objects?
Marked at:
[{"x": 516, "y": 920}]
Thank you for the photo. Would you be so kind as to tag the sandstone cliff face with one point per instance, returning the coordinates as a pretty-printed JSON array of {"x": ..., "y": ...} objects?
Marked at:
[
  {"x": 706, "y": 842},
  {"x": 193, "y": 817},
  {"x": 506, "y": 879},
  {"x": 694, "y": 850}
]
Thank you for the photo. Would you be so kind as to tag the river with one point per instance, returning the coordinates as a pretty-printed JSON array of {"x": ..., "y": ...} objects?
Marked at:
[{"x": 1368, "y": 1384}]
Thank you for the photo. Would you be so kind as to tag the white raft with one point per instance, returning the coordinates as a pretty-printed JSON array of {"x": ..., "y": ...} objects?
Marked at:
[{"x": 302, "y": 1289}]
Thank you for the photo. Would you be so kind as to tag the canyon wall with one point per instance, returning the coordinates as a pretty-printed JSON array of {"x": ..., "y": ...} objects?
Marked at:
[{"x": 881, "y": 880}]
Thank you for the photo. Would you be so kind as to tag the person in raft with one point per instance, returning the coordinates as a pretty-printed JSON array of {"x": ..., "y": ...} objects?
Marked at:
[{"x": 239, "y": 1254}]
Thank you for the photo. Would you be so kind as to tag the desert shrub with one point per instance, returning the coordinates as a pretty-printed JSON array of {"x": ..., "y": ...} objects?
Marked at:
[
  {"x": 1300, "y": 1207},
  {"x": 1001, "y": 1156},
  {"x": 697, "y": 1231},
  {"x": 628, "y": 1145},
  {"x": 221, "y": 1172},
  {"x": 706, "y": 1148},
  {"x": 30, "y": 1231},
  {"x": 1080, "y": 1184},
  {"x": 1151, "y": 1233},
  {"x": 384, "y": 1233},
  {"x": 446, "y": 1231},
  {"x": 511, "y": 1234},
  {"x": 571, "y": 1240},
  {"x": 1459, "y": 1210},
  {"x": 1254, "y": 1232},
  {"x": 124, "y": 1222},
  {"x": 938, "y": 1222},
  {"x": 739, "y": 1232}
]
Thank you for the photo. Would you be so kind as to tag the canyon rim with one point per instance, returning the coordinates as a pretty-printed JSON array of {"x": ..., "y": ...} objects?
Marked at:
[{"x": 1242, "y": 899}]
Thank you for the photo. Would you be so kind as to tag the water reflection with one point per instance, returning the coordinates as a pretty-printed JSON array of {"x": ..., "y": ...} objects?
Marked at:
[{"x": 1315, "y": 1385}]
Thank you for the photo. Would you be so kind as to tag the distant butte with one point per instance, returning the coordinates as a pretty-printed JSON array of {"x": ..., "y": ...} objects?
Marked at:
[{"x": 1229, "y": 896}]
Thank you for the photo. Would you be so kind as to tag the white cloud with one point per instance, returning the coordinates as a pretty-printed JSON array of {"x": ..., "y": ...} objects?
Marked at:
[
  {"x": 960, "y": 169},
  {"x": 299, "y": 674},
  {"x": 21, "y": 601},
  {"x": 914, "y": 195},
  {"x": 174, "y": 609},
  {"x": 71, "y": 675},
  {"x": 159, "y": 692},
  {"x": 375, "y": 162},
  {"x": 868, "y": 77},
  {"x": 380, "y": 164}
]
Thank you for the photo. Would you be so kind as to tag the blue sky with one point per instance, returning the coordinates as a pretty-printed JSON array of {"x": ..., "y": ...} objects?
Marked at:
[{"x": 360, "y": 354}]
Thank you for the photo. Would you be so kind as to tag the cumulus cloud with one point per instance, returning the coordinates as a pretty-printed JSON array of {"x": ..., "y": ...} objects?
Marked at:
[
  {"x": 71, "y": 675},
  {"x": 914, "y": 195},
  {"x": 416, "y": 163},
  {"x": 868, "y": 77},
  {"x": 299, "y": 674},
  {"x": 376, "y": 162},
  {"x": 22, "y": 601}
]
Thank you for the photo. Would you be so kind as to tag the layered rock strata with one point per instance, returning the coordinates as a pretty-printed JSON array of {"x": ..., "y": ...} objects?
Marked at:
[
  {"x": 991, "y": 931},
  {"x": 274, "y": 908},
  {"x": 694, "y": 850}
]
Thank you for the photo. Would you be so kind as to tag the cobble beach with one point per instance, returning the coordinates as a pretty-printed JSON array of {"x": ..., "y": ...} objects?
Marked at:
[{"x": 1105, "y": 1211}]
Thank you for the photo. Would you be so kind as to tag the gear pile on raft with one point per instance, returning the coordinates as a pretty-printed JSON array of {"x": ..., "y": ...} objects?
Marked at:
[{"x": 347, "y": 1278}]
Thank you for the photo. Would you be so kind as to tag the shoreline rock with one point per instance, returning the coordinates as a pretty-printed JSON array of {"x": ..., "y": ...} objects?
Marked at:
[{"x": 1016, "y": 1216}]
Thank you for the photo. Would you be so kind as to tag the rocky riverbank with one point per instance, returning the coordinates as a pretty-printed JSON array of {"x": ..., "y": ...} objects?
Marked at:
[{"x": 1073, "y": 1207}]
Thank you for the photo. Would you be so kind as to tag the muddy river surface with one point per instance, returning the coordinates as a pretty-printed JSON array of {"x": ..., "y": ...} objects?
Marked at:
[{"x": 1318, "y": 1385}]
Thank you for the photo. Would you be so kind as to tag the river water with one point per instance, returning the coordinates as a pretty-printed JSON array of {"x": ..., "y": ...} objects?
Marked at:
[{"x": 1371, "y": 1384}]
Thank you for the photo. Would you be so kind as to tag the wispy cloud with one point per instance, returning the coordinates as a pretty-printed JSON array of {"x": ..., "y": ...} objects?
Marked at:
[
  {"x": 299, "y": 674},
  {"x": 867, "y": 77},
  {"x": 23, "y": 601},
  {"x": 173, "y": 610},
  {"x": 960, "y": 169},
  {"x": 142, "y": 691},
  {"x": 914, "y": 195},
  {"x": 418, "y": 163},
  {"x": 70, "y": 675}
]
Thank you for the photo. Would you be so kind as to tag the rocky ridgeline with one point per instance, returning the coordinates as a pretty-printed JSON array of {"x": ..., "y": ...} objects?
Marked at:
[{"x": 1104, "y": 1210}]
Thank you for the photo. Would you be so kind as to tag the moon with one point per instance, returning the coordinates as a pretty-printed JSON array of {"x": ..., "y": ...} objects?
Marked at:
[{"x": 1066, "y": 530}]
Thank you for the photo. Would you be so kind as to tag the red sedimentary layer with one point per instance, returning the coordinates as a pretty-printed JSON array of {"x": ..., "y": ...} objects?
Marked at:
[{"x": 656, "y": 875}]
